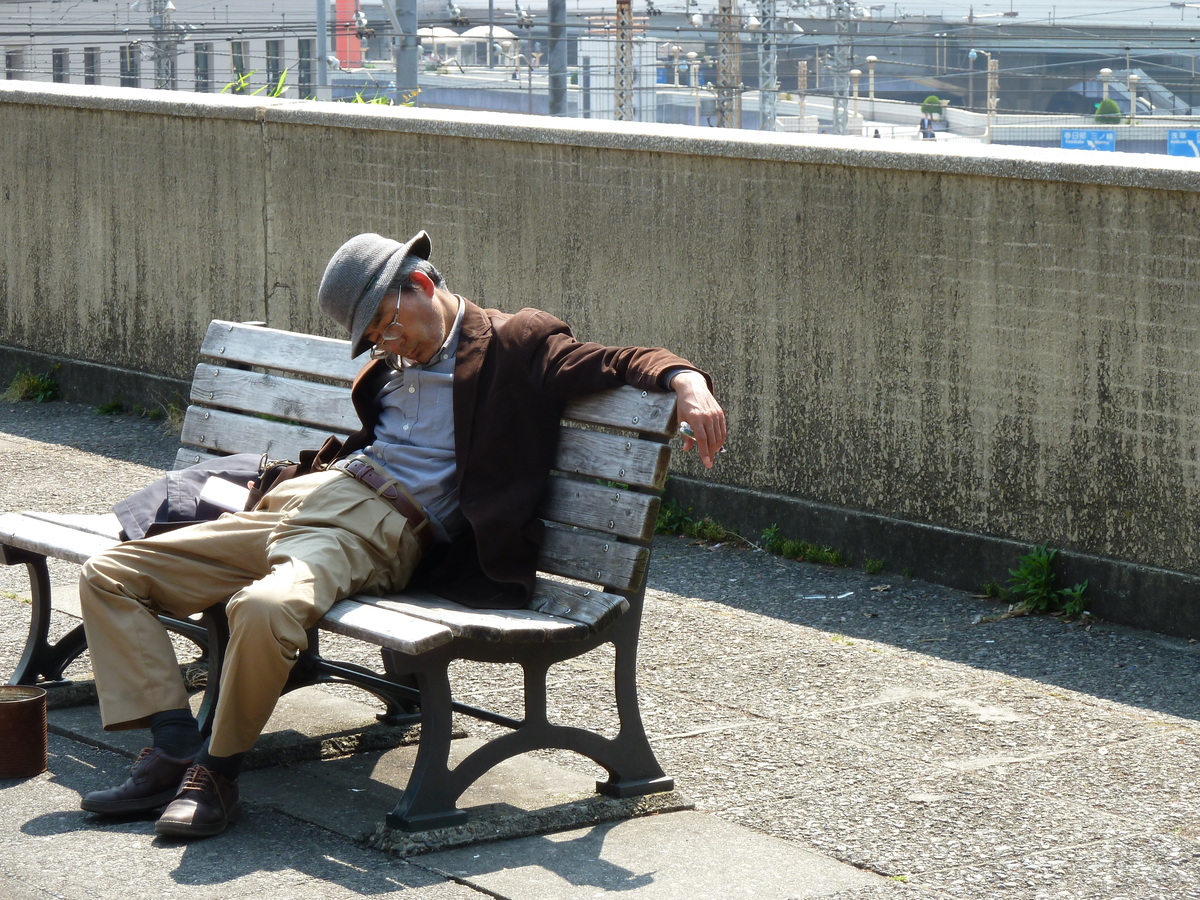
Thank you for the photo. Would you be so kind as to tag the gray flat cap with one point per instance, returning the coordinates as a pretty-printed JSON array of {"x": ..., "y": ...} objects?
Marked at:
[{"x": 358, "y": 276}]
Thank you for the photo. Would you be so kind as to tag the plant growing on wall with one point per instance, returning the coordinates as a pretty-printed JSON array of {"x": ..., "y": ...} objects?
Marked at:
[
  {"x": 41, "y": 388},
  {"x": 1108, "y": 112},
  {"x": 406, "y": 99},
  {"x": 241, "y": 85},
  {"x": 932, "y": 106},
  {"x": 1033, "y": 581}
]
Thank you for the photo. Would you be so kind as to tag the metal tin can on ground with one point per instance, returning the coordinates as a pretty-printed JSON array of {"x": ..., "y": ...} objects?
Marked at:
[{"x": 22, "y": 731}]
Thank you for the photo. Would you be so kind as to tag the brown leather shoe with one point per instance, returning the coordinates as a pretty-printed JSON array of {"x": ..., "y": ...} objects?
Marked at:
[
  {"x": 153, "y": 781},
  {"x": 207, "y": 801}
]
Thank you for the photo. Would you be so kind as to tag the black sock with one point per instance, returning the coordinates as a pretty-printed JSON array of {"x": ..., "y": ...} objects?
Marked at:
[
  {"x": 176, "y": 733},
  {"x": 229, "y": 766}
]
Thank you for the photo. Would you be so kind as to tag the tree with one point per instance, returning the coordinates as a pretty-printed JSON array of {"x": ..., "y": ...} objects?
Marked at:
[
  {"x": 932, "y": 106},
  {"x": 1108, "y": 112}
]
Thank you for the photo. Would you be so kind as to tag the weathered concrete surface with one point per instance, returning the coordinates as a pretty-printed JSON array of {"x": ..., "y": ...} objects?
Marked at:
[{"x": 996, "y": 341}]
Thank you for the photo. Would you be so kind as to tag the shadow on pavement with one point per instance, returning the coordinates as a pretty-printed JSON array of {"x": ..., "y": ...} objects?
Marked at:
[{"x": 1126, "y": 665}]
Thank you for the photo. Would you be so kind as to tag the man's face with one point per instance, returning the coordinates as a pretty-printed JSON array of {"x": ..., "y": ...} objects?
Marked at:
[{"x": 409, "y": 324}]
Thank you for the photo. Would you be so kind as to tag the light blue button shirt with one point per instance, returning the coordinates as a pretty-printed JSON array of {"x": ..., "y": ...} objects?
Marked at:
[{"x": 414, "y": 439}]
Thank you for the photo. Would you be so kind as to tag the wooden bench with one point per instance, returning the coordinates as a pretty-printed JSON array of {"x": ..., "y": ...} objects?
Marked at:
[{"x": 262, "y": 390}]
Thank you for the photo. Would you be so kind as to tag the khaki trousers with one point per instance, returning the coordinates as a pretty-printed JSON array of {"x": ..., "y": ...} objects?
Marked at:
[{"x": 309, "y": 543}]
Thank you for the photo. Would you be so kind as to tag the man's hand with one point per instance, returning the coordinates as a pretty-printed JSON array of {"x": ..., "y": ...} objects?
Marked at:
[{"x": 703, "y": 414}]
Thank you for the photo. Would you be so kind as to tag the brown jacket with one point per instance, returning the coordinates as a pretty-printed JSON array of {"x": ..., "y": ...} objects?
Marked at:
[{"x": 512, "y": 375}]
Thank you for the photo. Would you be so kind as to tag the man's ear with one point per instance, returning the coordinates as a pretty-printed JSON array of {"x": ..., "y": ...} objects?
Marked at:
[{"x": 422, "y": 281}]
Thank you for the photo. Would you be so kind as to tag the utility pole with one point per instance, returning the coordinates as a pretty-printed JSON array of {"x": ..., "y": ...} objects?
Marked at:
[
  {"x": 624, "y": 73},
  {"x": 802, "y": 86},
  {"x": 557, "y": 10},
  {"x": 841, "y": 67},
  {"x": 993, "y": 83},
  {"x": 323, "y": 49},
  {"x": 767, "y": 78},
  {"x": 729, "y": 76},
  {"x": 163, "y": 44},
  {"x": 405, "y": 44}
]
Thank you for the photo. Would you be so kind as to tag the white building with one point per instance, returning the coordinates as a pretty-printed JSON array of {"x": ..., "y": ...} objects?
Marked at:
[{"x": 190, "y": 45}]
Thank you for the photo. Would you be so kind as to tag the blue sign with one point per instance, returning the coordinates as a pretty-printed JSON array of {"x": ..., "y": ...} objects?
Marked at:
[
  {"x": 1085, "y": 139},
  {"x": 1183, "y": 143}
]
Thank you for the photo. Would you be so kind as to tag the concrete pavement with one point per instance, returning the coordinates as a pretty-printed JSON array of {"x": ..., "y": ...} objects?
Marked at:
[{"x": 835, "y": 734}]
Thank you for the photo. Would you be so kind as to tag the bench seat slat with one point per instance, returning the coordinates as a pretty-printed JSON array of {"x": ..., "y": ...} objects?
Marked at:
[
  {"x": 613, "y": 457},
  {"x": 385, "y": 627},
  {"x": 595, "y": 609},
  {"x": 227, "y": 432},
  {"x": 577, "y": 612},
  {"x": 51, "y": 539},
  {"x": 318, "y": 405},
  {"x": 104, "y": 524},
  {"x": 288, "y": 351},
  {"x": 518, "y": 625}
]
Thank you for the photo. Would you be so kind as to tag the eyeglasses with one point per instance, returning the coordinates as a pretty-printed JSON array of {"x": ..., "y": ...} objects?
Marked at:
[{"x": 391, "y": 332}]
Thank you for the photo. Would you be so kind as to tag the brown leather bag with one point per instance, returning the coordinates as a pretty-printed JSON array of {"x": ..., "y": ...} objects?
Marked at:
[{"x": 272, "y": 472}]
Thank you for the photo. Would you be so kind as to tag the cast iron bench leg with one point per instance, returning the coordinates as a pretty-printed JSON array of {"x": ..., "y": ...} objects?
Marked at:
[
  {"x": 41, "y": 659},
  {"x": 401, "y": 711},
  {"x": 630, "y": 762},
  {"x": 633, "y": 768},
  {"x": 431, "y": 797},
  {"x": 216, "y": 627}
]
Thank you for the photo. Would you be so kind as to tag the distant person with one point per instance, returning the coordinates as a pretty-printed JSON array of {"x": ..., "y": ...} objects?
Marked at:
[
  {"x": 926, "y": 127},
  {"x": 877, "y": 134}
]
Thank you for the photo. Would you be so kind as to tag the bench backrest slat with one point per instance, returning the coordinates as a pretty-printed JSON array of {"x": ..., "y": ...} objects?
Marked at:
[
  {"x": 288, "y": 351},
  {"x": 189, "y": 456},
  {"x": 613, "y": 457},
  {"x": 650, "y": 413},
  {"x": 308, "y": 402},
  {"x": 614, "y": 511},
  {"x": 590, "y": 557},
  {"x": 224, "y": 432}
]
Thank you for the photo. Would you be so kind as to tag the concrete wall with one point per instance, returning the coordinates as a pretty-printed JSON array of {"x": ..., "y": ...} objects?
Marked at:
[{"x": 933, "y": 356}]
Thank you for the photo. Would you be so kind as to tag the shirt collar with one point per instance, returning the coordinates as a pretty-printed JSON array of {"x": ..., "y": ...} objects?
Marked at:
[{"x": 450, "y": 346}]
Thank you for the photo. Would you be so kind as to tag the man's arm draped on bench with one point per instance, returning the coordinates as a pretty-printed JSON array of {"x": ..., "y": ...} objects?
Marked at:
[{"x": 460, "y": 408}]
